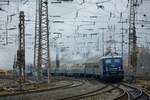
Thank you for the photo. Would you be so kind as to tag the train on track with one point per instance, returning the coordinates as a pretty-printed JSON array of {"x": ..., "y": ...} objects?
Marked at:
[
  {"x": 108, "y": 68},
  {"x": 112, "y": 68}
]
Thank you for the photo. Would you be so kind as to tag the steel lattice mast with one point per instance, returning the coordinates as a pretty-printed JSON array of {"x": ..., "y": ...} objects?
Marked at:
[
  {"x": 36, "y": 41},
  {"x": 21, "y": 50},
  {"x": 132, "y": 37},
  {"x": 43, "y": 55}
]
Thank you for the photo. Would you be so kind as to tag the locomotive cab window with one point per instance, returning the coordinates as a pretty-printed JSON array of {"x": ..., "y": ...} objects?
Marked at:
[
  {"x": 117, "y": 60},
  {"x": 108, "y": 61}
]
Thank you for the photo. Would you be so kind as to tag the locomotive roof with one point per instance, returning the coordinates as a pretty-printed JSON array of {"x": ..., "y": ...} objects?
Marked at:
[{"x": 104, "y": 57}]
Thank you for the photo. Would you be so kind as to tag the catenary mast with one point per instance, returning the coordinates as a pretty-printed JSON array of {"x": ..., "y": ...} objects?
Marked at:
[{"x": 41, "y": 53}]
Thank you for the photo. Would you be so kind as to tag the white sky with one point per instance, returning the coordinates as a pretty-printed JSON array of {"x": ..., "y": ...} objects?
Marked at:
[{"x": 76, "y": 17}]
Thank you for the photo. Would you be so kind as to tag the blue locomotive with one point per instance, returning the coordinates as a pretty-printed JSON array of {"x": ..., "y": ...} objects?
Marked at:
[{"x": 111, "y": 68}]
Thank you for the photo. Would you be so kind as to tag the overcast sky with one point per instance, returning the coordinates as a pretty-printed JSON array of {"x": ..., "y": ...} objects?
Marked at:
[{"x": 80, "y": 18}]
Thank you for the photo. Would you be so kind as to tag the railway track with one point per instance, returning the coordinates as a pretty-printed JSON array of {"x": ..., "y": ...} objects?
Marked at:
[
  {"x": 123, "y": 96},
  {"x": 127, "y": 92},
  {"x": 136, "y": 93},
  {"x": 71, "y": 84},
  {"x": 98, "y": 94},
  {"x": 5, "y": 83},
  {"x": 132, "y": 93},
  {"x": 121, "y": 91}
]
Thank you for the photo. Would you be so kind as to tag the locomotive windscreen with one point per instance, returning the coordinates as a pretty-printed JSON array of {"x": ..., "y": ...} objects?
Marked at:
[{"x": 112, "y": 64}]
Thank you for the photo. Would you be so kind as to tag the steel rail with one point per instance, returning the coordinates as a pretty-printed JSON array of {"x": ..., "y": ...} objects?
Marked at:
[
  {"x": 136, "y": 93},
  {"x": 15, "y": 93},
  {"x": 88, "y": 94},
  {"x": 124, "y": 96}
]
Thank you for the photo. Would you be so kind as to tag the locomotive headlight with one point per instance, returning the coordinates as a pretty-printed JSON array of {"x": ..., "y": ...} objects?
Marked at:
[{"x": 119, "y": 67}]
